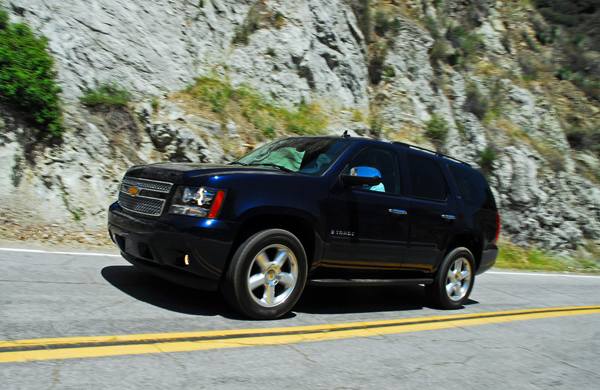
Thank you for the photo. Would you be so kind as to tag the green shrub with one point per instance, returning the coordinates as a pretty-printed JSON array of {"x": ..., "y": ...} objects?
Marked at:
[
  {"x": 487, "y": 158},
  {"x": 108, "y": 94},
  {"x": 269, "y": 132},
  {"x": 476, "y": 103},
  {"x": 467, "y": 45},
  {"x": 528, "y": 64},
  {"x": 376, "y": 127},
  {"x": 578, "y": 17},
  {"x": 439, "y": 51},
  {"x": 362, "y": 12},
  {"x": 27, "y": 77},
  {"x": 389, "y": 73},
  {"x": 305, "y": 120},
  {"x": 377, "y": 58},
  {"x": 437, "y": 129},
  {"x": 563, "y": 73},
  {"x": 385, "y": 23},
  {"x": 529, "y": 41},
  {"x": 250, "y": 24},
  {"x": 543, "y": 33}
]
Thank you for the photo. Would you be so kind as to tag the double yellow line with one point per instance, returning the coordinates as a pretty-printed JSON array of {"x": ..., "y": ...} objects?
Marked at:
[{"x": 86, "y": 347}]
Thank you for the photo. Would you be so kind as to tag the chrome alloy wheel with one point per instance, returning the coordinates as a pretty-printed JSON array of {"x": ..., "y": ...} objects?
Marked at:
[
  {"x": 458, "y": 279},
  {"x": 273, "y": 275}
]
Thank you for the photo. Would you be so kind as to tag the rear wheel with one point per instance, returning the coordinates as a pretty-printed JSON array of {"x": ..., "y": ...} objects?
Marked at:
[
  {"x": 267, "y": 274},
  {"x": 454, "y": 281}
]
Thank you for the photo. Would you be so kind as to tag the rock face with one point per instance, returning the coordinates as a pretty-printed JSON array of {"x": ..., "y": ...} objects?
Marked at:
[
  {"x": 293, "y": 52},
  {"x": 153, "y": 47}
]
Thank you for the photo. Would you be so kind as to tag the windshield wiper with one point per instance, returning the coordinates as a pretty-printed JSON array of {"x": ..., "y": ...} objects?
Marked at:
[
  {"x": 241, "y": 163},
  {"x": 280, "y": 167}
]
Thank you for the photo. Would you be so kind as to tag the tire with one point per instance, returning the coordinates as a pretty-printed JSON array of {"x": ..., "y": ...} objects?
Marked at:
[
  {"x": 267, "y": 275},
  {"x": 454, "y": 281}
]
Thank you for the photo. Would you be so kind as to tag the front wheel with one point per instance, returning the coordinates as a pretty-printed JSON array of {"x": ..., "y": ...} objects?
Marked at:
[
  {"x": 267, "y": 274},
  {"x": 454, "y": 280}
]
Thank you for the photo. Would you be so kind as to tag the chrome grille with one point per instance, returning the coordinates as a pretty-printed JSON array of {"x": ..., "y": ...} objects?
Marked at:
[
  {"x": 148, "y": 184},
  {"x": 141, "y": 205},
  {"x": 143, "y": 196}
]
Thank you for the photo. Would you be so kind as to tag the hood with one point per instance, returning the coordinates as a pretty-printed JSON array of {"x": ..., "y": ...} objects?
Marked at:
[{"x": 174, "y": 172}]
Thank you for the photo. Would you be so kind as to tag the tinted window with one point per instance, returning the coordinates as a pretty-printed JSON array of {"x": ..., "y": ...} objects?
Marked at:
[
  {"x": 473, "y": 188},
  {"x": 426, "y": 179},
  {"x": 385, "y": 162}
]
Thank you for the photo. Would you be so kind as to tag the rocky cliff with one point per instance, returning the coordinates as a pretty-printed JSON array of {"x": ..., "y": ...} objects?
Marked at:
[{"x": 474, "y": 79}]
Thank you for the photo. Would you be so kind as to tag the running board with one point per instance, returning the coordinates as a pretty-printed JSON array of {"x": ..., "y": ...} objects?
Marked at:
[{"x": 366, "y": 282}]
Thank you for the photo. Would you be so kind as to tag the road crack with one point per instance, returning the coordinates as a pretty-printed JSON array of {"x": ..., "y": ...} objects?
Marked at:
[
  {"x": 306, "y": 357},
  {"x": 56, "y": 374}
]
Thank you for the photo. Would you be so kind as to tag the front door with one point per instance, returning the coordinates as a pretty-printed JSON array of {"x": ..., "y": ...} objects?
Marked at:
[{"x": 368, "y": 227}]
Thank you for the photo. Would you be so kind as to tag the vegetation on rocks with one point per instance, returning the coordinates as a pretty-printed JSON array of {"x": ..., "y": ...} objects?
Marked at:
[
  {"x": 536, "y": 259},
  {"x": 107, "y": 94},
  {"x": 259, "y": 15},
  {"x": 27, "y": 77},
  {"x": 437, "y": 129},
  {"x": 265, "y": 117}
]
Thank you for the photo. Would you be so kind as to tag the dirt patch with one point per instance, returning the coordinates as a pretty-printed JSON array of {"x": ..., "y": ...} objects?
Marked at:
[{"x": 18, "y": 231}]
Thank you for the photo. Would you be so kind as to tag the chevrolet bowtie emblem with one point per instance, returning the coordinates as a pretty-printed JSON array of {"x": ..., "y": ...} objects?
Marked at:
[{"x": 133, "y": 191}]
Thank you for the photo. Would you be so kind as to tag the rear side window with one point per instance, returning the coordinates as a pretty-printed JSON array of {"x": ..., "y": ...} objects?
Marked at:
[
  {"x": 474, "y": 189},
  {"x": 426, "y": 179}
]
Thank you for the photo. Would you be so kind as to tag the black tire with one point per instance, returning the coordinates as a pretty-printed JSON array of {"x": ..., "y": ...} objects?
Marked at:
[
  {"x": 450, "y": 288},
  {"x": 267, "y": 275}
]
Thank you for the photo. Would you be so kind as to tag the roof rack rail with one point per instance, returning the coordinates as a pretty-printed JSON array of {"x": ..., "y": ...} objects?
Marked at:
[{"x": 429, "y": 151}]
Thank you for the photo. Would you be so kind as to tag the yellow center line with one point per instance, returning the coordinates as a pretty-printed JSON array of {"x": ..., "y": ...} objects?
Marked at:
[{"x": 97, "y": 346}]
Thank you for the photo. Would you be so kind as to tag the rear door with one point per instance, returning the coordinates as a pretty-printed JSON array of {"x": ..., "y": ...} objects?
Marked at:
[{"x": 432, "y": 213}]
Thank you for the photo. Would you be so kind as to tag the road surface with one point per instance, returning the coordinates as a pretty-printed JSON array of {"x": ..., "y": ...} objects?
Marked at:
[{"x": 90, "y": 320}]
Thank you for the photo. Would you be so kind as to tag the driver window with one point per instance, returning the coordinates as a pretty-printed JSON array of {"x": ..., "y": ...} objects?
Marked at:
[{"x": 385, "y": 162}]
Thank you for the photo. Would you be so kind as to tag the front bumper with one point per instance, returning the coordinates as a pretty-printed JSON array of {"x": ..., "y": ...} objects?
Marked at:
[{"x": 160, "y": 245}]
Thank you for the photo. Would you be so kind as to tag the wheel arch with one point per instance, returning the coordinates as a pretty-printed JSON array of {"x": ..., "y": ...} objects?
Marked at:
[
  {"x": 470, "y": 241},
  {"x": 300, "y": 227}
]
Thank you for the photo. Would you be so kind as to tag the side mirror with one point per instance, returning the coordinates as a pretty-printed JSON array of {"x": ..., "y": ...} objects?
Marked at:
[{"x": 362, "y": 176}]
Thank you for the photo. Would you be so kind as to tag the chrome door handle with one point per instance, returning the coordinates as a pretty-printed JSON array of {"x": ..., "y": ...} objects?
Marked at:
[
  {"x": 448, "y": 217},
  {"x": 396, "y": 212}
]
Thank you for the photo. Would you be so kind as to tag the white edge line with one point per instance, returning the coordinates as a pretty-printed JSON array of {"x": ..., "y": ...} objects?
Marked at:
[
  {"x": 110, "y": 255},
  {"x": 58, "y": 253},
  {"x": 569, "y": 275}
]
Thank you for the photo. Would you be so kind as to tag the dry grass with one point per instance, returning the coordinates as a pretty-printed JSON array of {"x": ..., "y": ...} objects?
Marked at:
[
  {"x": 533, "y": 259},
  {"x": 256, "y": 118}
]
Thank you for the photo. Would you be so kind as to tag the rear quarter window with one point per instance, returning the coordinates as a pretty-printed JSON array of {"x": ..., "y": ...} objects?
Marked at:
[
  {"x": 474, "y": 189},
  {"x": 426, "y": 179}
]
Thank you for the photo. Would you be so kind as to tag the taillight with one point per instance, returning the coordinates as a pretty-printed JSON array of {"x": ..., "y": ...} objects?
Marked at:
[{"x": 497, "y": 227}]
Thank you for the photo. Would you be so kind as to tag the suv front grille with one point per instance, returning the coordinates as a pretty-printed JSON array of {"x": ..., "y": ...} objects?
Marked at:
[{"x": 143, "y": 196}]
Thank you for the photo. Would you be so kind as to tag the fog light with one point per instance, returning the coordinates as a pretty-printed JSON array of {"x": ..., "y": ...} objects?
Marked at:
[{"x": 186, "y": 260}]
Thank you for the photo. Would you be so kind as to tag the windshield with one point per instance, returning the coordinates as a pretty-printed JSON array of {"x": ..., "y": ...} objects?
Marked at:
[{"x": 312, "y": 156}]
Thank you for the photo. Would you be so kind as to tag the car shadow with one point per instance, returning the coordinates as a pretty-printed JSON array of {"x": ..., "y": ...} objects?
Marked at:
[
  {"x": 158, "y": 292},
  {"x": 361, "y": 299},
  {"x": 161, "y": 293}
]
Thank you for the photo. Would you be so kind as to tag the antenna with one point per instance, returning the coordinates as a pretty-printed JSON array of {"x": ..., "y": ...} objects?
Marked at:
[{"x": 346, "y": 135}]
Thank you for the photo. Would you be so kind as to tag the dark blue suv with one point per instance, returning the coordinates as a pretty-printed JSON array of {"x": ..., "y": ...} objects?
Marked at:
[{"x": 318, "y": 210}]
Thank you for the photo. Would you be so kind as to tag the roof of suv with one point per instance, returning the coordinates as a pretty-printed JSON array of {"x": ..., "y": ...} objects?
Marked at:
[{"x": 403, "y": 144}]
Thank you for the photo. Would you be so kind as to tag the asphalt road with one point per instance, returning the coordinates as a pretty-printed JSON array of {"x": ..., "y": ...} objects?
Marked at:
[{"x": 79, "y": 296}]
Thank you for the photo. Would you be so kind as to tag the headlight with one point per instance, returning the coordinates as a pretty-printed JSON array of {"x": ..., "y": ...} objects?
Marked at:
[{"x": 201, "y": 202}]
